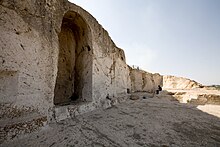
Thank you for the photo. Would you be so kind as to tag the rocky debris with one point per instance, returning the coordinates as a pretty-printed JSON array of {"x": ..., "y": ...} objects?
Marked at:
[
  {"x": 16, "y": 121},
  {"x": 10, "y": 111},
  {"x": 134, "y": 97},
  {"x": 11, "y": 128},
  {"x": 203, "y": 99},
  {"x": 199, "y": 96}
]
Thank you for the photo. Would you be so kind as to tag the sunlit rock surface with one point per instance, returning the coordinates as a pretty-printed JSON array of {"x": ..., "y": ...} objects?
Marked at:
[{"x": 57, "y": 62}]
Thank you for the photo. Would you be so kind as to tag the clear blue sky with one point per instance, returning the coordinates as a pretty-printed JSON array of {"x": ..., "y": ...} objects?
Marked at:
[{"x": 170, "y": 37}]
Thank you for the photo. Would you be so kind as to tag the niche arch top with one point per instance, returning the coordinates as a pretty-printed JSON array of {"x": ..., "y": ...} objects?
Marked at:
[{"x": 74, "y": 75}]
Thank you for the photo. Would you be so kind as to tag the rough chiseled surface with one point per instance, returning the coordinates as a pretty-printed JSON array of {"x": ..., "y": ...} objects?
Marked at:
[
  {"x": 53, "y": 53},
  {"x": 55, "y": 48},
  {"x": 144, "y": 81},
  {"x": 56, "y": 62}
]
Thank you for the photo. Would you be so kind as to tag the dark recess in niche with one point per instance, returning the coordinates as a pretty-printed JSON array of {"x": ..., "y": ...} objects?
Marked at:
[{"x": 73, "y": 40}]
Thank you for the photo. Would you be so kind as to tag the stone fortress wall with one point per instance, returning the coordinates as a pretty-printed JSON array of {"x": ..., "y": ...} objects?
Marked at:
[{"x": 56, "y": 61}]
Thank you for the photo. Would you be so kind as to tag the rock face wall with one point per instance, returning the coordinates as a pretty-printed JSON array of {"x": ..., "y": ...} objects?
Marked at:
[
  {"x": 172, "y": 82},
  {"x": 144, "y": 81},
  {"x": 25, "y": 57},
  {"x": 54, "y": 53}
]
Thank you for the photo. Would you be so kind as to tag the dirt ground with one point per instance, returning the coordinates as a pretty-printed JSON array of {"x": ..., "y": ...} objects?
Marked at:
[{"x": 145, "y": 122}]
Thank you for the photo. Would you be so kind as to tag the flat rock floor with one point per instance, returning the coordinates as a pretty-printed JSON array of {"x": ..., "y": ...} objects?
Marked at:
[{"x": 146, "y": 122}]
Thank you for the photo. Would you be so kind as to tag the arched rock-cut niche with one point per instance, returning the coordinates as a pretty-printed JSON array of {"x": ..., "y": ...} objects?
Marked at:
[{"x": 74, "y": 76}]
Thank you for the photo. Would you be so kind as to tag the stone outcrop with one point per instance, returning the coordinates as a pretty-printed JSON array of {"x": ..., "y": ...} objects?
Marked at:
[
  {"x": 199, "y": 96},
  {"x": 56, "y": 62},
  {"x": 142, "y": 81},
  {"x": 203, "y": 99},
  {"x": 173, "y": 82},
  {"x": 54, "y": 53}
]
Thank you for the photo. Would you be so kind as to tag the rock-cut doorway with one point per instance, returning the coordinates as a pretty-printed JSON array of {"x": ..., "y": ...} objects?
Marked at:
[{"x": 74, "y": 75}]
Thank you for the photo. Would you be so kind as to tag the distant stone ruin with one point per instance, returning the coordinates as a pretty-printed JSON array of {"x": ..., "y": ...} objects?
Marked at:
[{"x": 57, "y": 62}]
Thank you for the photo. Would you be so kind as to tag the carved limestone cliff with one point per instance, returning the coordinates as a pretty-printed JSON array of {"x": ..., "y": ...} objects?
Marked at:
[
  {"x": 142, "y": 81},
  {"x": 172, "y": 82},
  {"x": 54, "y": 53},
  {"x": 56, "y": 61}
]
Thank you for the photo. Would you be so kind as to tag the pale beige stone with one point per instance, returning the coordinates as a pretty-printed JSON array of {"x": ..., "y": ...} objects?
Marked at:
[
  {"x": 56, "y": 62},
  {"x": 54, "y": 51},
  {"x": 144, "y": 81},
  {"x": 173, "y": 82}
]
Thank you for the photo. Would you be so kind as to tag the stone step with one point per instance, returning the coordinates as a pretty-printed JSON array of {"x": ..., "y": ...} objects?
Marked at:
[
  {"x": 70, "y": 111},
  {"x": 13, "y": 127}
]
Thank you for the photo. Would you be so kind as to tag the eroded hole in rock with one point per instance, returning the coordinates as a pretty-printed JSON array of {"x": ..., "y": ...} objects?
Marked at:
[{"x": 74, "y": 63}]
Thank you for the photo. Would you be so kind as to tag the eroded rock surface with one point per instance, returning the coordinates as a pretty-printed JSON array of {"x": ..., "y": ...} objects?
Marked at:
[
  {"x": 200, "y": 96},
  {"x": 150, "y": 122},
  {"x": 57, "y": 62},
  {"x": 142, "y": 81},
  {"x": 173, "y": 82},
  {"x": 54, "y": 53}
]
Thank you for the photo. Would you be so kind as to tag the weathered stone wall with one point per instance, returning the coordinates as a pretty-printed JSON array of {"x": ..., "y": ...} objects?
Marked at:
[
  {"x": 54, "y": 53},
  {"x": 25, "y": 56},
  {"x": 27, "y": 66},
  {"x": 172, "y": 82},
  {"x": 109, "y": 76},
  {"x": 144, "y": 81},
  {"x": 36, "y": 56}
]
